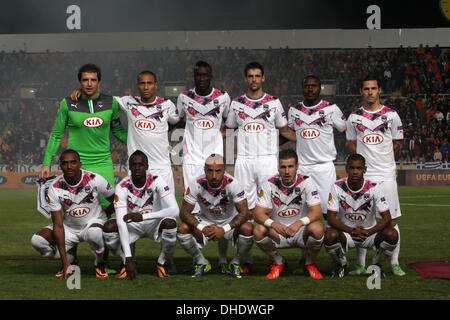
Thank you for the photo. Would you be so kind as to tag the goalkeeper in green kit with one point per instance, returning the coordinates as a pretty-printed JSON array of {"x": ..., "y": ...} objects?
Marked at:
[{"x": 89, "y": 121}]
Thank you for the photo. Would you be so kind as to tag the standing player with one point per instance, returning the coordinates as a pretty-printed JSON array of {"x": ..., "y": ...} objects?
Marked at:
[
  {"x": 203, "y": 109},
  {"x": 136, "y": 216},
  {"x": 223, "y": 214},
  {"x": 75, "y": 194},
  {"x": 375, "y": 131},
  {"x": 351, "y": 216},
  {"x": 258, "y": 117},
  {"x": 313, "y": 121},
  {"x": 89, "y": 120},
  {"x": 287, "y": 214},
  {"x": 149, "y": 117}
]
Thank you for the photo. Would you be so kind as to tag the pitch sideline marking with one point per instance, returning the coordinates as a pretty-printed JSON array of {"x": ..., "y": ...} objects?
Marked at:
[{"x": 426, "y": 205}]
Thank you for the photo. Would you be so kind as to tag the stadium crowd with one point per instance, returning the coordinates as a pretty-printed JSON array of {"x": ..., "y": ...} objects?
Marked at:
[{"x": 416, "y": 83}]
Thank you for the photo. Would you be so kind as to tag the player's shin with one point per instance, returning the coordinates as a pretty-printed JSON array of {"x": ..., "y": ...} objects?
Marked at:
[
  {"x": 189, "y": 244},
  {"x": 244, "y": 245},
  {"x": 337, "y": 253},
  {"x": 267, "y": 246},
  {"x": 95, "y": 240},
  {"x": 313, "y": 245},
  {"x": 168, "y": 244},
  {"x": 361, "y": 256},
  {"x": 384, "y": 251},
  {"x": 396, "y": 252},
  {"x": 222, "y": 246}
]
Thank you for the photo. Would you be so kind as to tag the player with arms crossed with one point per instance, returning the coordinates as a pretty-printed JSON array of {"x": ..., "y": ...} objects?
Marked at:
[
  {"x": 203, "y": 109},
  {"x": 137, "y": 218},
  {"x": 77, "y": 214},
  {"x": 223, "y": 214},
  {"x": 351, "y": 216},
  {"x": 287, "y": 214},
  {"x": 376, "y": 132}
]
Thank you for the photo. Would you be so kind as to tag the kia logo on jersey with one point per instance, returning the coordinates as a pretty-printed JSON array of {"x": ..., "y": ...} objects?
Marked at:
[
  {"x": 254, "y": 127},
  {"x": 372, "y": 139},
  {"x": 146, "y": 211},
  {"x": 145, "y": 125},
  {"x": 93, "y": 122},
  {"x": 79, "y": 212},
  {"x": 203, "y": 124},
  {"x": 287, "y": 213},
  {"x": 310, "y": 133},
  {"x": 355, "y": 217}
]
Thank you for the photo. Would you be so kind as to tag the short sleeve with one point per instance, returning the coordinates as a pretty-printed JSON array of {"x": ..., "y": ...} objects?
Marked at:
[
  {"x": 103, "y": 186},
  {"x": 53, "y": 200},
  {"x": 180, "y": 107},
  {"x": 339, "y": 121},
  {"x": 120, "y": 197},
  {"x": 380, "y": 200},
  {"x": 190, "y": 195},
  {"x": 280, "y": 116},
  {"x": 226, "y": 108},
  {"x": 350, "y": 132},
  {"x": 333, "y": 199},
  {"x": 231, "y": 118},
  {"x": 121, "y": 102},
  {"x": 397, "y": 127},
  {"x": 290, "y": 119},
  {"x": 311, "y": 193},
  {"x": 237, "y": 191},
  {"x": 264, "y": 196},
  {"x": 162, "y": 187},
  {"x": 173, "y": 113}
]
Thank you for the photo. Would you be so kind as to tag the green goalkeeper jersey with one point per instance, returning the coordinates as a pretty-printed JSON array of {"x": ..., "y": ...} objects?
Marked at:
[{"x": 89, "y": 122}]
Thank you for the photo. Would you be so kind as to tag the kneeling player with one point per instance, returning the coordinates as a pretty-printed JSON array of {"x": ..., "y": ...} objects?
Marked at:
[
  {"x": 134, "y": 201},
  {"x": 75, "y": 193},
  {"x": 287, "y": 214},
  {"x": 223, "y": 214},
  {"x": 351, "y": 215}
]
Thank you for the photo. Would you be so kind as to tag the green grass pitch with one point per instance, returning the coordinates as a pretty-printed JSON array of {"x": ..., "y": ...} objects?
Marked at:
[{"x": 24, "y": 275}]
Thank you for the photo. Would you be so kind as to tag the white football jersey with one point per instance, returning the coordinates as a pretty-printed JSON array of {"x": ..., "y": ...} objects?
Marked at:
[
  {"x": 79, "y": 203},
  {"x": 257, "y": 122},
  {"x": 216, "y": 205},
  {"x": 357, "y": 208},
  {"x": 142, "y": 199},
  {"x": 203, "y": 116},
  {"x": 148, "y": 128},
  {"x": 313, "y": 127},
  {"x": 288, "y": 204},
  {"x": 374, "y": 133}
]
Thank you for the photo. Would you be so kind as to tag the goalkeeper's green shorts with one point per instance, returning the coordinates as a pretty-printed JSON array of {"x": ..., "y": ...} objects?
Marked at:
[{"x": 101, "y": 165}]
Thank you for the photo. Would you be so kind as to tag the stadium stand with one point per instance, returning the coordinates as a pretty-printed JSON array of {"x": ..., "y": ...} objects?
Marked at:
[{"x": 415, "y": 83}]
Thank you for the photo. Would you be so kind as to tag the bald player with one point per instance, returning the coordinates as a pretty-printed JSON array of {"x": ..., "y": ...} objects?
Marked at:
[{"x": 223, "y": 214}]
